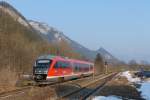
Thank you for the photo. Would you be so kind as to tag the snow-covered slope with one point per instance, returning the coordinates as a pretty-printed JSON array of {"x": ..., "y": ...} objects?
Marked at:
[
  {"x": 41, "y": 27},
  {"x": 51, "y": 34}
]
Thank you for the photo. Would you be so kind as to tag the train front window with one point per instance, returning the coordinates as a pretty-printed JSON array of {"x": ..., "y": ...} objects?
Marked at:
[{"x": 43, "y": 63}]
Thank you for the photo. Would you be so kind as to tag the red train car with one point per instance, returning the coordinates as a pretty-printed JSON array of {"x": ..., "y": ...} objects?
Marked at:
[{"x": 55, "y": 68}]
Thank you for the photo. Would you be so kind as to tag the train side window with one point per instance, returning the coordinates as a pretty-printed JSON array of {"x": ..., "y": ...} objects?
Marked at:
[
  {"x": 65, "y": 64},
  {"x": 76, "y": 67},
  {"x": 62, "y": 64},
  {"x": 57, "y": 65}
]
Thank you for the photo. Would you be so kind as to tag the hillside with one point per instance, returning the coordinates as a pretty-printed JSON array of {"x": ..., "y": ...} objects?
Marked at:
[
  {"x": 52, "y": 35},
  {"x": 20, "y": 44},
  {"x": 22, "y": 40},
  {"x": 16, "y": 42}
]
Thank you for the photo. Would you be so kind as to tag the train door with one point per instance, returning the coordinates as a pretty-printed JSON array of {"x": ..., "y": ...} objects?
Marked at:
[
  {"x": 76, "y": 67},
  {"x": 57, "y": 69}
]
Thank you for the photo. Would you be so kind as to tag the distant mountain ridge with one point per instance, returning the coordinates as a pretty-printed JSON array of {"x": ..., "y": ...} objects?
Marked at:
[
  {"x": 52, "y": 35},
  {"x": 49, "y": 33}
]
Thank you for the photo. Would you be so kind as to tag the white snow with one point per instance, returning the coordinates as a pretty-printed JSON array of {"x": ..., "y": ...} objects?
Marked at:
[
  {"x": 56, "y": 35},
  {"x": 23, "y": 22},
  {"x": 43, "y": 28},
  {"x": 106, "y": 98},
  {"x": 145, "y": 85},
  {"x": 46, "y": 29},
  {"x": 128, "y": 75},
  {"x": 144, "y": 89}
]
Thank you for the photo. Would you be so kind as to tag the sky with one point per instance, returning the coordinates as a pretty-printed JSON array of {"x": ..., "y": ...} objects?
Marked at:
[{"x": 122, "y": 27}]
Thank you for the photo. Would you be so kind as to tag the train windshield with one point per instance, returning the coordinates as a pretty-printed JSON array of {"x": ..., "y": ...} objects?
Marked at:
[{"x": 43, "y": 63}]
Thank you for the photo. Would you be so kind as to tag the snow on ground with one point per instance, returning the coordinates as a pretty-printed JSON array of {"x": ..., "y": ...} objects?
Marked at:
[
  {"x": 107, "y": 98},
  {"x": 144, "y": 89},
  {"x": 145, "y": 85},
  {"x": 129, "y": 77}
]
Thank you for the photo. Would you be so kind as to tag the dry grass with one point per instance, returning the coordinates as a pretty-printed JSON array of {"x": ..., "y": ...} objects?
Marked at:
[
  {"x": 44, "y": 93},
  {"x": 8, "y": 79}
]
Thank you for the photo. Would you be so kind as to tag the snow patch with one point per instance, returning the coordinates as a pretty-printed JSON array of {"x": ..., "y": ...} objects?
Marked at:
[
  {"x": 23, "y": 22},
  {"x": 128, "y": 75},
  {"x": 145, "y": 85},
  {"x": 56, "y": 35},
  {"x": 106, "y": 98},
  {"x": 43, "y": 28}
]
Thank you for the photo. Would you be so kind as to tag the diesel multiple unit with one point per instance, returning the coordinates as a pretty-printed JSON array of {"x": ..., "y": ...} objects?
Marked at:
[{"x": 60, "y": 68}]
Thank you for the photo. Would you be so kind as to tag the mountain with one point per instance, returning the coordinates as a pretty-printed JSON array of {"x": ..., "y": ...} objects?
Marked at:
[
  {"x": 7, "y": 8},
  {"x": 53, "y": 35},
  {"x": 48, "y": 33},
  {"x": 42, "y": 32},
  {"x": 21, "y": 44},
  {"x": 108, "y": 57}
]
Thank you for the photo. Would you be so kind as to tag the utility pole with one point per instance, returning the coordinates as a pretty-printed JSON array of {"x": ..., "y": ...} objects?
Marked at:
[{"x": 93, "y": 71}]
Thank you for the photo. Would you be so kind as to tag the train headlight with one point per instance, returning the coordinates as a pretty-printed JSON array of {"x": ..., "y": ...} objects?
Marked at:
[{"x": 39, "y": 77}]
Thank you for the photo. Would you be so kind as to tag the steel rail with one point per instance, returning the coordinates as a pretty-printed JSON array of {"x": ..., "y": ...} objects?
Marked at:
[{"x": 87, "y": 85}]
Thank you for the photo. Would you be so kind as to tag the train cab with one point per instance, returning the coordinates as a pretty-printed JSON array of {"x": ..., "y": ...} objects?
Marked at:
[{"x": 41, "y": 69}]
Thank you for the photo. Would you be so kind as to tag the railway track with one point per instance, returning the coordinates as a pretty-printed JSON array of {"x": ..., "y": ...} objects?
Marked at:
[
  {"x": 11, "y": 95},
  {"x": 88, "y": 89}
]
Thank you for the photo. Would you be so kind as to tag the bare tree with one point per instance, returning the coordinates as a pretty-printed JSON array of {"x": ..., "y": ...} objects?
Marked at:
[{"x": 99, "y": 64}]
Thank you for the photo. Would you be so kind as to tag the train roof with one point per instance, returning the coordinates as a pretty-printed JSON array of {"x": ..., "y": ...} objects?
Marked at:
[
  {"x": 62, "y": 58},
  {"x": 46, "y": 57}
]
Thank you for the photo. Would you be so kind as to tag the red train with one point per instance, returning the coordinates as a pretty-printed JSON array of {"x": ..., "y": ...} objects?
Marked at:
[{"x": 56, "y": 68}]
